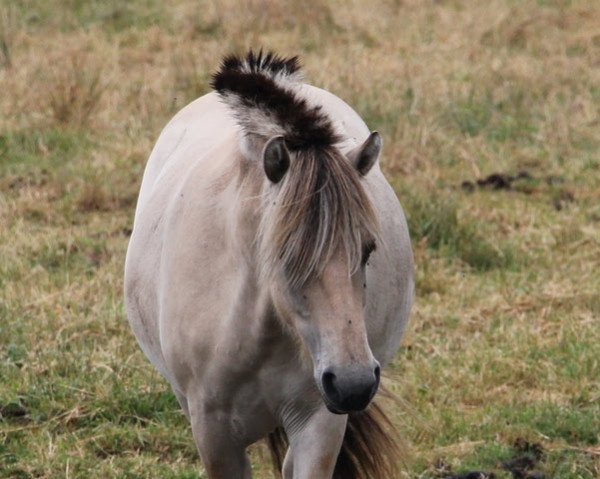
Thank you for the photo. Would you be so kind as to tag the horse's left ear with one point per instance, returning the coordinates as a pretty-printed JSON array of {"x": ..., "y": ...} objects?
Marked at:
[
  {"x": 364, "y": 156},
  {"x": 276, "y": 159}
]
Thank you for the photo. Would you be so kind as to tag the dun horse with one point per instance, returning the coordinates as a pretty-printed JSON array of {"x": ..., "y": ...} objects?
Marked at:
[{"x": 269, "y": 275}]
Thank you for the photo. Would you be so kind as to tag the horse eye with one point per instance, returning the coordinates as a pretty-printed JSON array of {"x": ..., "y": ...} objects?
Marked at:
[{"x": 368, "y": 248}]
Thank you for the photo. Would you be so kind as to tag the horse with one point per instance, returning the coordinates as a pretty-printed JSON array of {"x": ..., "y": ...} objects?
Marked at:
[{"x": 269, "y": 274}]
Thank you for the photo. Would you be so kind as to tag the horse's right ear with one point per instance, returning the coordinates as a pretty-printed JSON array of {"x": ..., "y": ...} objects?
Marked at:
[{"x": 276, "y": 159}]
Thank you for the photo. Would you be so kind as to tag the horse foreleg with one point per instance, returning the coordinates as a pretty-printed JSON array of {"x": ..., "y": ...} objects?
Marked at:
[
  {"x": 288, "y": 465},
  {"x": 182, "y": 400},
  {"x": 223, "y": 457},
  {"x": 314, "y": 446}
]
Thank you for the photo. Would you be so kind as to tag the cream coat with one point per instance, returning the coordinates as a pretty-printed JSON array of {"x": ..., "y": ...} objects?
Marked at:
[{"x": 196, "y": 305}]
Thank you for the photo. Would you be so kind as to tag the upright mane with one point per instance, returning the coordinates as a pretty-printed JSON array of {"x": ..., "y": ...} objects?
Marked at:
[
  {"x": 321, "y": 207},
  {"x": 261, "y": 89}
]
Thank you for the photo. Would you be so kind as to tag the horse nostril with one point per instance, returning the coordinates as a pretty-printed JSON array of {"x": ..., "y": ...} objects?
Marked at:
[
  {"x": 352, "y": 390},
  {"x": 327, "y": 379}
]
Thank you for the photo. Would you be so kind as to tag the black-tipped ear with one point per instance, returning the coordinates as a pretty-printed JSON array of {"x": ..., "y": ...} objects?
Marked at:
[
  {"x": 364, "y": 156},
  {"x": 276, "y": 158}
]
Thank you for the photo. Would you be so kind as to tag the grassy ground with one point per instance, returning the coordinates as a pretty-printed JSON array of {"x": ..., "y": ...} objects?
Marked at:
[{"x": 504, "y": 345}]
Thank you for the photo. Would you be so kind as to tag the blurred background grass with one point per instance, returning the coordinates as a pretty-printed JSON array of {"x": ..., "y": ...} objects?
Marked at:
[{"x": 505, "y": 335}]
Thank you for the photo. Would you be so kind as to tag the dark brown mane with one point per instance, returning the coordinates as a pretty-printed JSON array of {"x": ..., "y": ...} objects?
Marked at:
[{"x": 263, "y": 84}]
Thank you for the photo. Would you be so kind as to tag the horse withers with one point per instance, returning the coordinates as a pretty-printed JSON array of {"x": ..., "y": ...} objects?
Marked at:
[{"x": 269, "y": 275}]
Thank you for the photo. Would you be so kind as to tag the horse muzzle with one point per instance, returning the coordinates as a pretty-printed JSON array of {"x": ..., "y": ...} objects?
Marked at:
[{"x": 348, "y": 390}]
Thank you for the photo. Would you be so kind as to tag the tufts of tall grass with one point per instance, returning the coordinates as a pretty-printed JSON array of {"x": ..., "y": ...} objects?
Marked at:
[{"x": 434, "y": 217}]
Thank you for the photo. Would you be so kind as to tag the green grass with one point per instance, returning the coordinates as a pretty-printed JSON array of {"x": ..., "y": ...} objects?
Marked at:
[
  {"x": 504, "y": 340},
  {"x": 111, "y": 16},
  {"x": 507, "y": 119},
  {"x": 435, "y": 219},
  {"x": 39, "y": 150}
]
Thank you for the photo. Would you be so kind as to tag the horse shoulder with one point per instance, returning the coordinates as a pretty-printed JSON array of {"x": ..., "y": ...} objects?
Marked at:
[
  {"x": 192, "y": 132},
  {"x": 177, "y": 257},
  {"x": 390, "y": 272}
]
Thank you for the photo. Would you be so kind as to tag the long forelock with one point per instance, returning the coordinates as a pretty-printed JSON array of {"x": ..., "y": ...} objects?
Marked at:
[{"x": 321, "y": 209}]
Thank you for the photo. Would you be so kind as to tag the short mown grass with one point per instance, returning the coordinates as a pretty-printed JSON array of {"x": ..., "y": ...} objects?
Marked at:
[{"x": 504, "y": 342}]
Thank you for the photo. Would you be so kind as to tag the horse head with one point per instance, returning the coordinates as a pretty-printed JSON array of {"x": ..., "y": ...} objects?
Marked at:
[{"x": 319, "y": 231}]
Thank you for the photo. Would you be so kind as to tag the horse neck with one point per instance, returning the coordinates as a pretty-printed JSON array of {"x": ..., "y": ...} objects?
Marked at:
[{"x": 246, "y": 190}]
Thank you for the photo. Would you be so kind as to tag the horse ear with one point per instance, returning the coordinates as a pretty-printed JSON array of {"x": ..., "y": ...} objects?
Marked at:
[
  {"x": 364, "y": 156},
  {"x": 276, "y": 159}
]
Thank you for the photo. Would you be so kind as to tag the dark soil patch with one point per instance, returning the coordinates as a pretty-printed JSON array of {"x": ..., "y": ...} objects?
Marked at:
[
  {"x": 472, "y": 475},
  {"x": 524, "y": 182},
  {"x": 527, "y": 456},
  {"x": 497, "y": 181},
  {"x": 522, "y": 466},
  {"x": 12, "y": 410},
  {"x": 444, "y": 471}
]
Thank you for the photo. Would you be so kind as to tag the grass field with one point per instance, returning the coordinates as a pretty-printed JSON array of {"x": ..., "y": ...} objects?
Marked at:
[{"x": 504, "y": 345}]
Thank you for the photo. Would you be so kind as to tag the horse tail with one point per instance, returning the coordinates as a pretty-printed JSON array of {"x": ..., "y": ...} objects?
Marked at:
[
  {"x": 371, "y": 448},
  {"x": 278, "y": 444}
]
